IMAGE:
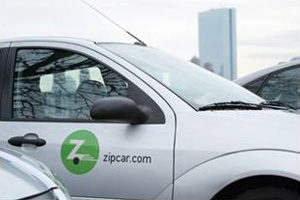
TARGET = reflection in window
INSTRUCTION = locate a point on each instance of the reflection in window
(284, 87)
(61, 84)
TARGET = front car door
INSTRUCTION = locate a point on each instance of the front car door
(48, 92)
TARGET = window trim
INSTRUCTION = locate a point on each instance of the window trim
(265, 77)
(3, 60)
(6, 86)
(158, 116)
(270, 75)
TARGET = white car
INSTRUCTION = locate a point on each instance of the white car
(23, 177)
(125, 121)
(277, 83)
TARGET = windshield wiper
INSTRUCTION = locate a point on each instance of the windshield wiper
(276, 105)
(231, 105)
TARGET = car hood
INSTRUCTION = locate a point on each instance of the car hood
(241, 130)
(22, 176)
(207, 135)
(210, 134)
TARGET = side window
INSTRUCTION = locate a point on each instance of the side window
(283, 86)
(59, 84)
(255, 85)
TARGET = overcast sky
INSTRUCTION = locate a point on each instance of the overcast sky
(268, 31)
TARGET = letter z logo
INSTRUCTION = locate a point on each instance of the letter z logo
(76, 157)
(80, 152)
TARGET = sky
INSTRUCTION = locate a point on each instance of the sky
(268, 31)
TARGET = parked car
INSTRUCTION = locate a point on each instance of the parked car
(277, 83)
(127, 121)
(23, 177)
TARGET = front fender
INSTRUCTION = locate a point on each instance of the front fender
(207, 179)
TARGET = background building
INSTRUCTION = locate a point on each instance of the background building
(217, 42)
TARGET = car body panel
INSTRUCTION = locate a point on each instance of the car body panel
(26, 176)
(24, 181)
(190, 150)
(217, 135)
(155, 140)
(200, 182)
(4, 44)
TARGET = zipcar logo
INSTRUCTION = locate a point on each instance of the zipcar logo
(76, 157)
(80, 152)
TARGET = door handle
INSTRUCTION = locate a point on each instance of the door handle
(18, 141)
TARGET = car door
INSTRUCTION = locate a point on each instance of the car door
(49, 92)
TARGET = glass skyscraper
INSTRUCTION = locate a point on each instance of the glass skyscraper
(217, 41)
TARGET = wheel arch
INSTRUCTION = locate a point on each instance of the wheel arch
(239, 186)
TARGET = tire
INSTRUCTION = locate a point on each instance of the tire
(268, 193)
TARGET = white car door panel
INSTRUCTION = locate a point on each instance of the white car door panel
(98, 159)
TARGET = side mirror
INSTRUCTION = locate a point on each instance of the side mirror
(119, 109)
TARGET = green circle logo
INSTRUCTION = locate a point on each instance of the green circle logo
(80, 152)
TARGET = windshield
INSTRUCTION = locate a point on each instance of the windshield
(195, 85)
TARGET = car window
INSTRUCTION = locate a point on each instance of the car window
(283, 86)
(255, 85)
(53, 83)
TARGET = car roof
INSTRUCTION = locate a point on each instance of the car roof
(46, 38)
(255, 75)
(64, 39)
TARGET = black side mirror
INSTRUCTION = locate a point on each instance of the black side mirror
(119, 109)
